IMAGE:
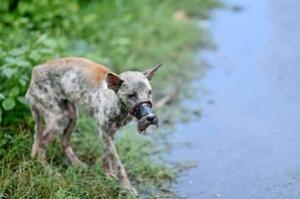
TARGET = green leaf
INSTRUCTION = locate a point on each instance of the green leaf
(10, 60)
(23, 80)
(9, 72)
(23, 63)
(14, 91)
(17, 51)
(0, 115)
(8, 103)
(1, 96)
(35, 55)
(22, 100)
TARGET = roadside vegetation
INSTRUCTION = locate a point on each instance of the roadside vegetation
(124, 35)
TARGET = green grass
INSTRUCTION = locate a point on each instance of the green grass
(21, 177)
(124, 35)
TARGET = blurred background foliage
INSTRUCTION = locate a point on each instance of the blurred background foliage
(123, 35)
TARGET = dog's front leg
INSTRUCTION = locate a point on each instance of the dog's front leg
(112, 164)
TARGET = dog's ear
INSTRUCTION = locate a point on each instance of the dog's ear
(151, 72)
(113, 81)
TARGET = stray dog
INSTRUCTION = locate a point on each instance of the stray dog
(58, 86)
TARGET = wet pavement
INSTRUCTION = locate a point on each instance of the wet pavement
(247, 143)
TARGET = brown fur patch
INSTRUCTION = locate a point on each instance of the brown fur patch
(94, 72)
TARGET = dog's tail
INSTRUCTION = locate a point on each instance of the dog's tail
(38, 130)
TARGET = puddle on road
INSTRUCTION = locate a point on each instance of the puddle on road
(246, 145)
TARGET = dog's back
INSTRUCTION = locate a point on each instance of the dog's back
(66, 78)
(90, 71)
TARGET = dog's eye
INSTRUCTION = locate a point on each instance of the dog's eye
(150, 92)
(132, 95)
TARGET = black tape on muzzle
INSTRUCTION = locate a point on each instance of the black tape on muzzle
(142, 110)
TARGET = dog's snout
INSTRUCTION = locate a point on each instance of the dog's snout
(151, 117)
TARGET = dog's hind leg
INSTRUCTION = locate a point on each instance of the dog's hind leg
(38, 131)
(55, 123)
(49, 134)
(67, 135)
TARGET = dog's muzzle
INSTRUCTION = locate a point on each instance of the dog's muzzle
(145, 115)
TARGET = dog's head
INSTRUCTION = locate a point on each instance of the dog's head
(135, 93)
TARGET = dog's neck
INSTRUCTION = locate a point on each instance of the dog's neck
(106, 106)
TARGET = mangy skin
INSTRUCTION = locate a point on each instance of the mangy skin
(58, 86)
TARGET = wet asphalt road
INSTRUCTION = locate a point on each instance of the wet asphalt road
(247, 144)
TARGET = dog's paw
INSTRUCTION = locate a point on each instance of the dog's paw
(80, 165)
(133, 192)
(111, 175)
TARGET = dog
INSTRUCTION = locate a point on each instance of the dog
(57, 87)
